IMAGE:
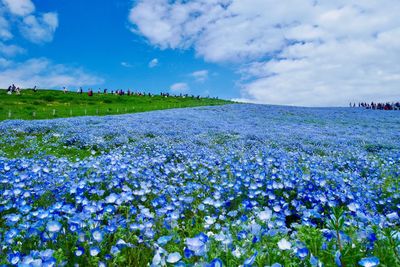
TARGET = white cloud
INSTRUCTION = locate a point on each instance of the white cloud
(200, 75)
(153, 63)
(179, 87)
(296, 52)
(126, 64)
(10, 50)
(5, 33)
(43, 73)
(19, 7)
(41, 28)
(37, 28)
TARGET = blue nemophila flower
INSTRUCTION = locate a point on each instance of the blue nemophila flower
(79, 251)
(29, 261)
(157, 259)
(94, 251)
(369, 262)
(265, 215)
(121, 244)
(51, 262)
(164, 239)
(53, 226)
(14, 258)
(338, 258)
(154, 185)
(13, 218)
(203, 237)
(393, 216)
(97, 235)
(251, 260)
(11, 234)
(46, 254)
(114, 250)
(328, 234)
(302, 253)
(255, 239)
(314, 261)
(188, 253)
(276, 265)
(196, 245)
(174, 257)
(81, 237)
(216, 263)
(242, 234)
(112, 198)
(371, 237)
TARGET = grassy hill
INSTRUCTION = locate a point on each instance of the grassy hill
(48, 104)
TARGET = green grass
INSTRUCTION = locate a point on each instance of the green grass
(49, 104)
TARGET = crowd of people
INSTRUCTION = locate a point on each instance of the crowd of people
(13, 89)
(90, 92)
(128, 92)
(378, 106)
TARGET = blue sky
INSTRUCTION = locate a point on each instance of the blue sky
(95, 36)
(293, 52)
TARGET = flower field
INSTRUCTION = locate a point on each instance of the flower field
(233, 185)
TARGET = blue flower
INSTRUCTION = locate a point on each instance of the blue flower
(338, 259)
(369, 262)
(14, 258)
(314, 261)
(188, 253)
(174, 257)
(251, 260)
(79, 251)
(97, 235)
(50, 262)
(215, 263)
(94, 251)
(164, 239)
(53, 226)
(196, 245)
(114, 250)
(302, 253)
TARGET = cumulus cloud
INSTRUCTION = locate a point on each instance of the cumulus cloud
(20, 7)
(297, 52)
(126, 64)
(44, 73)
(40, 29)
(37, 28)
(10, 50)
(5, 33)
(179, 87)
(153, 63)
(200, 75)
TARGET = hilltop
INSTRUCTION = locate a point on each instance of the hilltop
(48, 104)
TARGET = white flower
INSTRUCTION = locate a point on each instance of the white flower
(284, 244)
(353, 207)
(265, 215)
(174, 257)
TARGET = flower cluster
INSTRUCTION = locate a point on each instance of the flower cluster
(234, 185)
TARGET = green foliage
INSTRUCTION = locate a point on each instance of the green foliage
(35, 145)
(137, 256)
(49, 104)
(45, 200)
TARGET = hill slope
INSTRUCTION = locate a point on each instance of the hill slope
(47, 104)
